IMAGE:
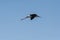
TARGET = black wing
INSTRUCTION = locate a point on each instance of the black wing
(32, 18)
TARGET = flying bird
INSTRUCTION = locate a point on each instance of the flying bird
(31, 16)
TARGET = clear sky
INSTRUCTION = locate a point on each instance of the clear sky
(45, 28)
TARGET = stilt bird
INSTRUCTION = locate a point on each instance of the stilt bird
(31, 16)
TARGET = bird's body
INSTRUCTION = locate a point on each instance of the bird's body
(31, 16)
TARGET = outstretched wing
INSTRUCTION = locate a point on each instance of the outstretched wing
(25, 18)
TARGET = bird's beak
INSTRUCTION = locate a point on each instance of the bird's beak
(38, 16)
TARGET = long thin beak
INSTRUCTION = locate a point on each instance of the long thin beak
(38, 16)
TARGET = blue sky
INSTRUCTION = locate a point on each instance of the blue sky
(45, 28)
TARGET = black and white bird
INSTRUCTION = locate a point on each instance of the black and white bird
(31, 16)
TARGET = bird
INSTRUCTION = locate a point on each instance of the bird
(31, 16)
